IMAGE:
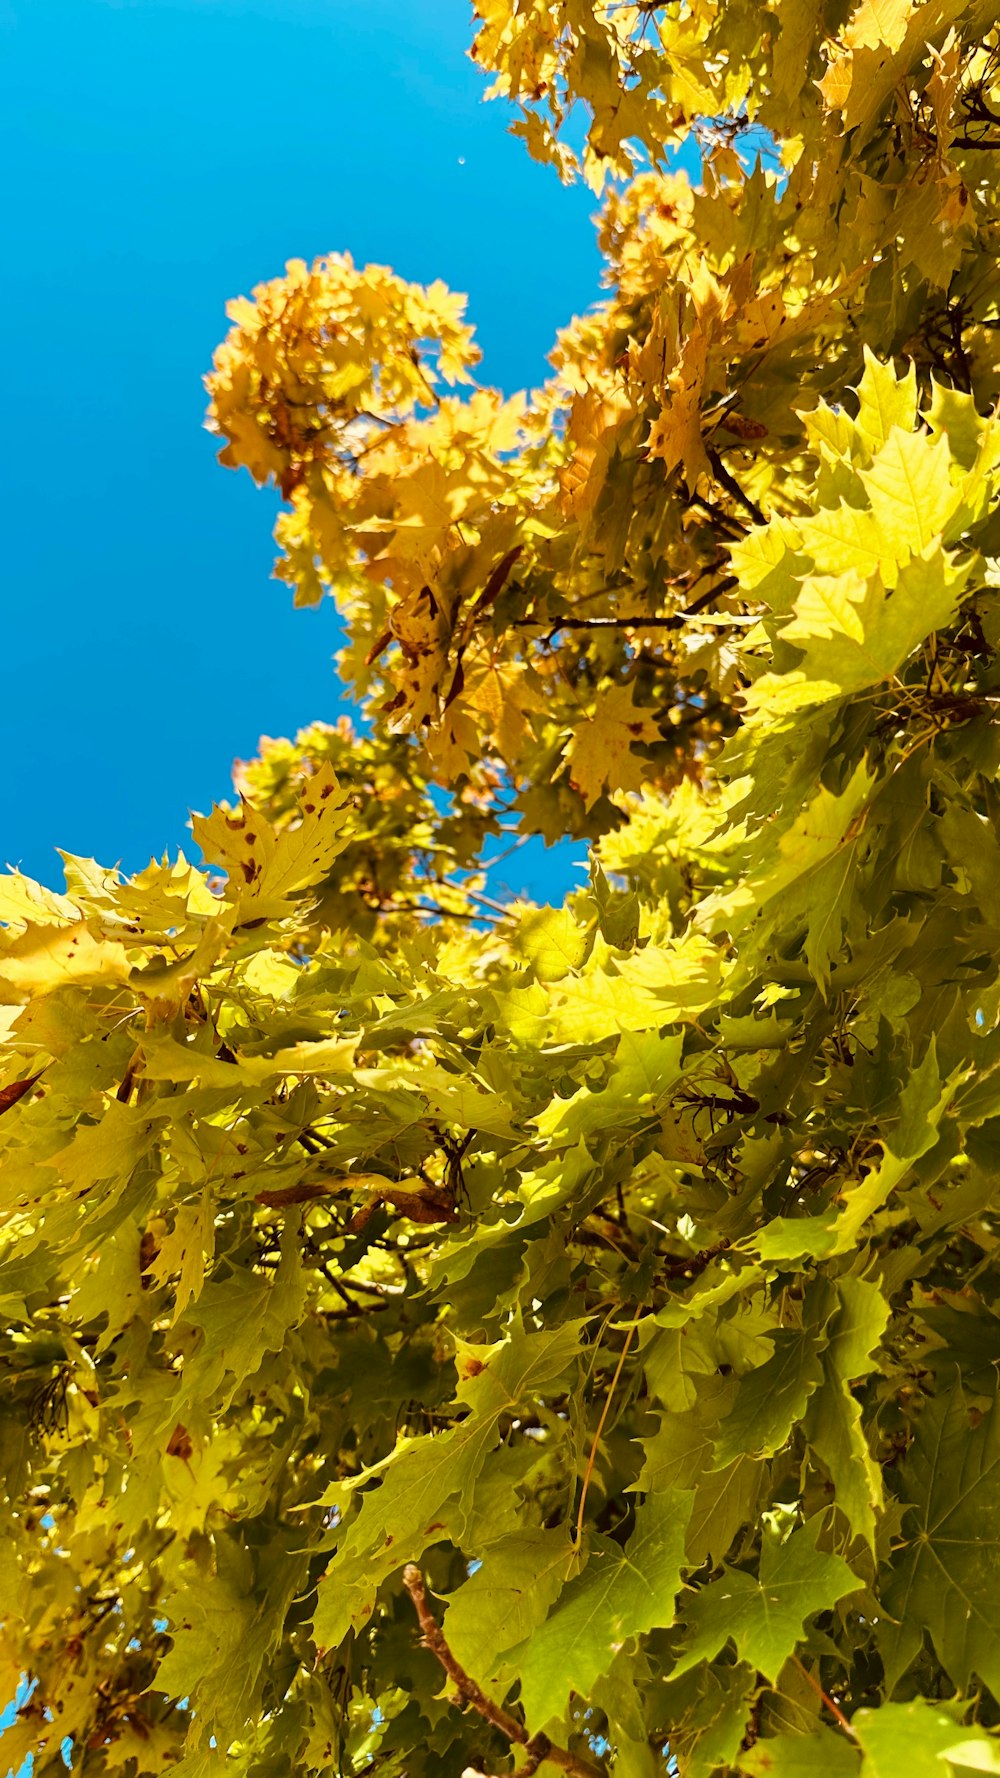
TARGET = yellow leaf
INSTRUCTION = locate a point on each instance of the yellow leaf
(864, 70)
(23, 900)
(942, 88)
(835, 85)
(911, 492)
(828, 606)
(658, 986)
(592, 430)
(551, 940)
(675, 437)
(761, 321)
(44, 958)
(156, 1746)
(843, 537)
(184, 1251)
(878, 24)
(885, 401)
(600, 754)
(105, 1151)
(266, 868)
(166, 1059)
(453, 747)
(331, 1055)
(164, 986)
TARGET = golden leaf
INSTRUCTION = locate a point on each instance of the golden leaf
(601, 755)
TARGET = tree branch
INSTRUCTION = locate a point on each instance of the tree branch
(281, 1196)
(732, 487)
(427, 1206)
(537, 1747)
(636, 621)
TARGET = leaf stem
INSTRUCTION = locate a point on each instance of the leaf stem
(595, 1447)
(834, 1709)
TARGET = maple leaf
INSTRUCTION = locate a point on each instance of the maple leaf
(355, 1212)
(600, 756)
(43, 959)
(266, 869)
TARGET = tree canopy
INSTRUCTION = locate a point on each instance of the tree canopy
(444, 1334)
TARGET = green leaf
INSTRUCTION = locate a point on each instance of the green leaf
(772, 1399)
(834, 1421)
(765, 1617)
(620, 1594)
(506, 1599)
(942, 1576)
(809, 868)
(823, 1754)
(239, 1322)
(426, 1482)
(921, 1740)
(921, 1105)
(226, 1626)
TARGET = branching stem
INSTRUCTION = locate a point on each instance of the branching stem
(537, 1747)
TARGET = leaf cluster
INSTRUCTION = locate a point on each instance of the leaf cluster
(445, 1334)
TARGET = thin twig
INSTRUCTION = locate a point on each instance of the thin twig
(634, 621)
(434, 910)
(537, 1747)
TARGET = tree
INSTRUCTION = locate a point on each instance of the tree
(448, 1335)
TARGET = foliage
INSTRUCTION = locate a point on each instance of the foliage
(586, 1316)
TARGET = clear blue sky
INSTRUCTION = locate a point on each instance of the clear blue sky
(162, 156)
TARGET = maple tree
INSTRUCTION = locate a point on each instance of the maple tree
(444, 1335)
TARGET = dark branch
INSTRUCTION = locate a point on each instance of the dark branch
(732, 487)
(304, 1193)
(635, 621)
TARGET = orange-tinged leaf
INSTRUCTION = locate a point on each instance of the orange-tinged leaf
(675, 437)
(601, 756)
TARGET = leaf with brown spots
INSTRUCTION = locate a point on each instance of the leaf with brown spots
(601, 756)
(45, 958)
(267, 869)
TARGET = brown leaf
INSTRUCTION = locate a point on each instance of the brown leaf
(10, 1095)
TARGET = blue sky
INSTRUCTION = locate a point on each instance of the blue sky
(166, 155)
